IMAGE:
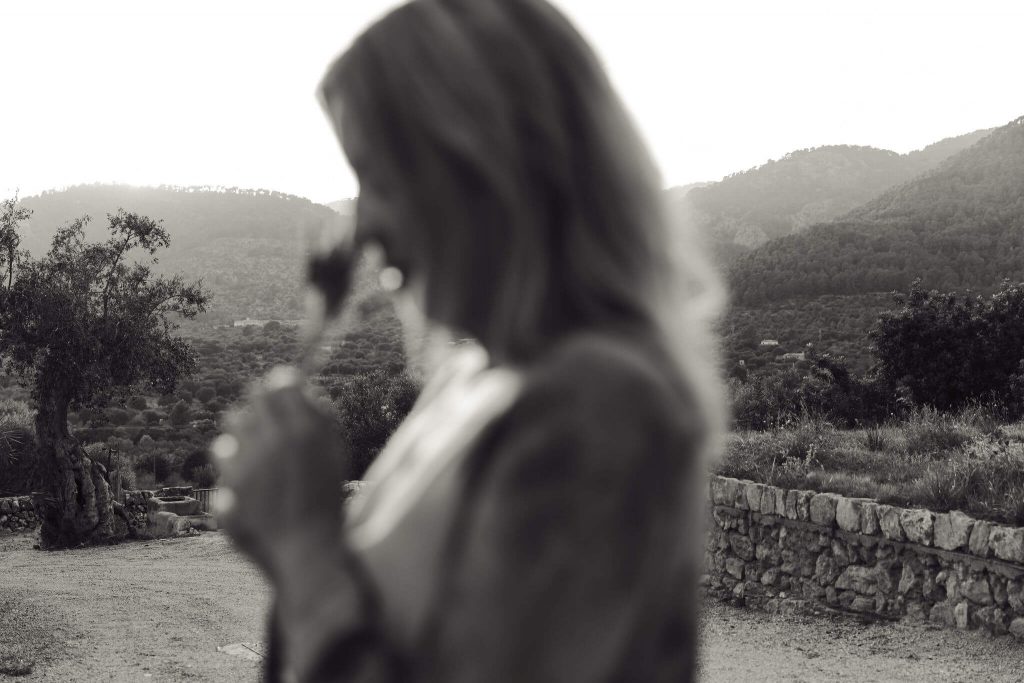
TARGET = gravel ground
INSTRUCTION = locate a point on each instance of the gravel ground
(743, 645)
(158, 610)
(154, 610)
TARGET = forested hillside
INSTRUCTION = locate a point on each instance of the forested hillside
(248, 246)
(806, 187)
(960, 226)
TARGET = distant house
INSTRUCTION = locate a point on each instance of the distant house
(769, 342)
(249, 322)
(794, 356)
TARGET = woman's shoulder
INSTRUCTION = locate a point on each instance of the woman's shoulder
(599, 393)
(599, 368)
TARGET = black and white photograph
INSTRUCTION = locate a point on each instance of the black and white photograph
(512, 341)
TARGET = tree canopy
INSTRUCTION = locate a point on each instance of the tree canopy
(85, 322)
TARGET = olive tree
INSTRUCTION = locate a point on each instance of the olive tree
(82, 324)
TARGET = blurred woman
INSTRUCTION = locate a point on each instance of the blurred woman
(537, 516)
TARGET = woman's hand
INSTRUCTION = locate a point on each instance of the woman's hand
(282, 464)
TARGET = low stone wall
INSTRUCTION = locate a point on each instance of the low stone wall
(769, 547)
(17, 514)
(135, 508)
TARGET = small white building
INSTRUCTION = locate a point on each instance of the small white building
(249, 322)
(765, 342)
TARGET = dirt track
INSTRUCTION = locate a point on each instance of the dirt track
(153, 610)
(158, 610)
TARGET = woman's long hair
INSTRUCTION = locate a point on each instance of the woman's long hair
(534, 208)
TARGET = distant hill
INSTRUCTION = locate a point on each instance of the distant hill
(959, 226)
(346, 207)
(248, 246)
(804, 188)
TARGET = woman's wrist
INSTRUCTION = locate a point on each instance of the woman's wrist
(318, 600)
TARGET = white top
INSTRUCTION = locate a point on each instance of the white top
(398, 523)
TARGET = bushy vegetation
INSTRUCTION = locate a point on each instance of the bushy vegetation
(161, 439)
(822, 389)
(965, 461)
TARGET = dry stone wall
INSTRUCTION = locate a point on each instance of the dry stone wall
(17, 514)
(770, 548)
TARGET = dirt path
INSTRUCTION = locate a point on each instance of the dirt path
(157, 611)
(154, 610)
(742, 645)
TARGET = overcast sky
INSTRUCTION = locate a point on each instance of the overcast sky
(200, 92)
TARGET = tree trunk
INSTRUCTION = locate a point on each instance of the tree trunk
(76, 507)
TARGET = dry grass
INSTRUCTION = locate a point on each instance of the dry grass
(965, 462)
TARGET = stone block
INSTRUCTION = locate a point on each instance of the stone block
(907, 579)
(848, 513)
(978, 543)
(164, 523)
(803, 505)
(754, 492)
(889, 522)
(857, 578)
(740, 501)
(1015, 596)
(734, 567)
(962, 615)
(741, 546)
(999, 595)
(1017, 627)
(204, 521)
(918, 525)
(825, 569)
(952, 530)
(992, 619)
(175, 491)
(791, 504)
(179, 505)
(1007, 543)
(768, 500)
(942, 613)
(723, 490)
(869, 518)
(862, 604)
(770, 577)
(823, 508)
(977, 590)
(780, 500)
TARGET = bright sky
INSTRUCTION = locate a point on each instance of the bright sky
(201, 92)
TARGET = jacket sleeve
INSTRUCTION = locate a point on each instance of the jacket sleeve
(573, 536)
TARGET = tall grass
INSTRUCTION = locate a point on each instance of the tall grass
(967, 461)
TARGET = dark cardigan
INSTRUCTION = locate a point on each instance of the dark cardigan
(575, 552)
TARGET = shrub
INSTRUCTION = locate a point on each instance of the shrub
(146, 463)
(118, 416)
(180, 414)
(875, 440)
(19, 472)
(370, 407)
(204, 477)
(138, 403)
(196, 459)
